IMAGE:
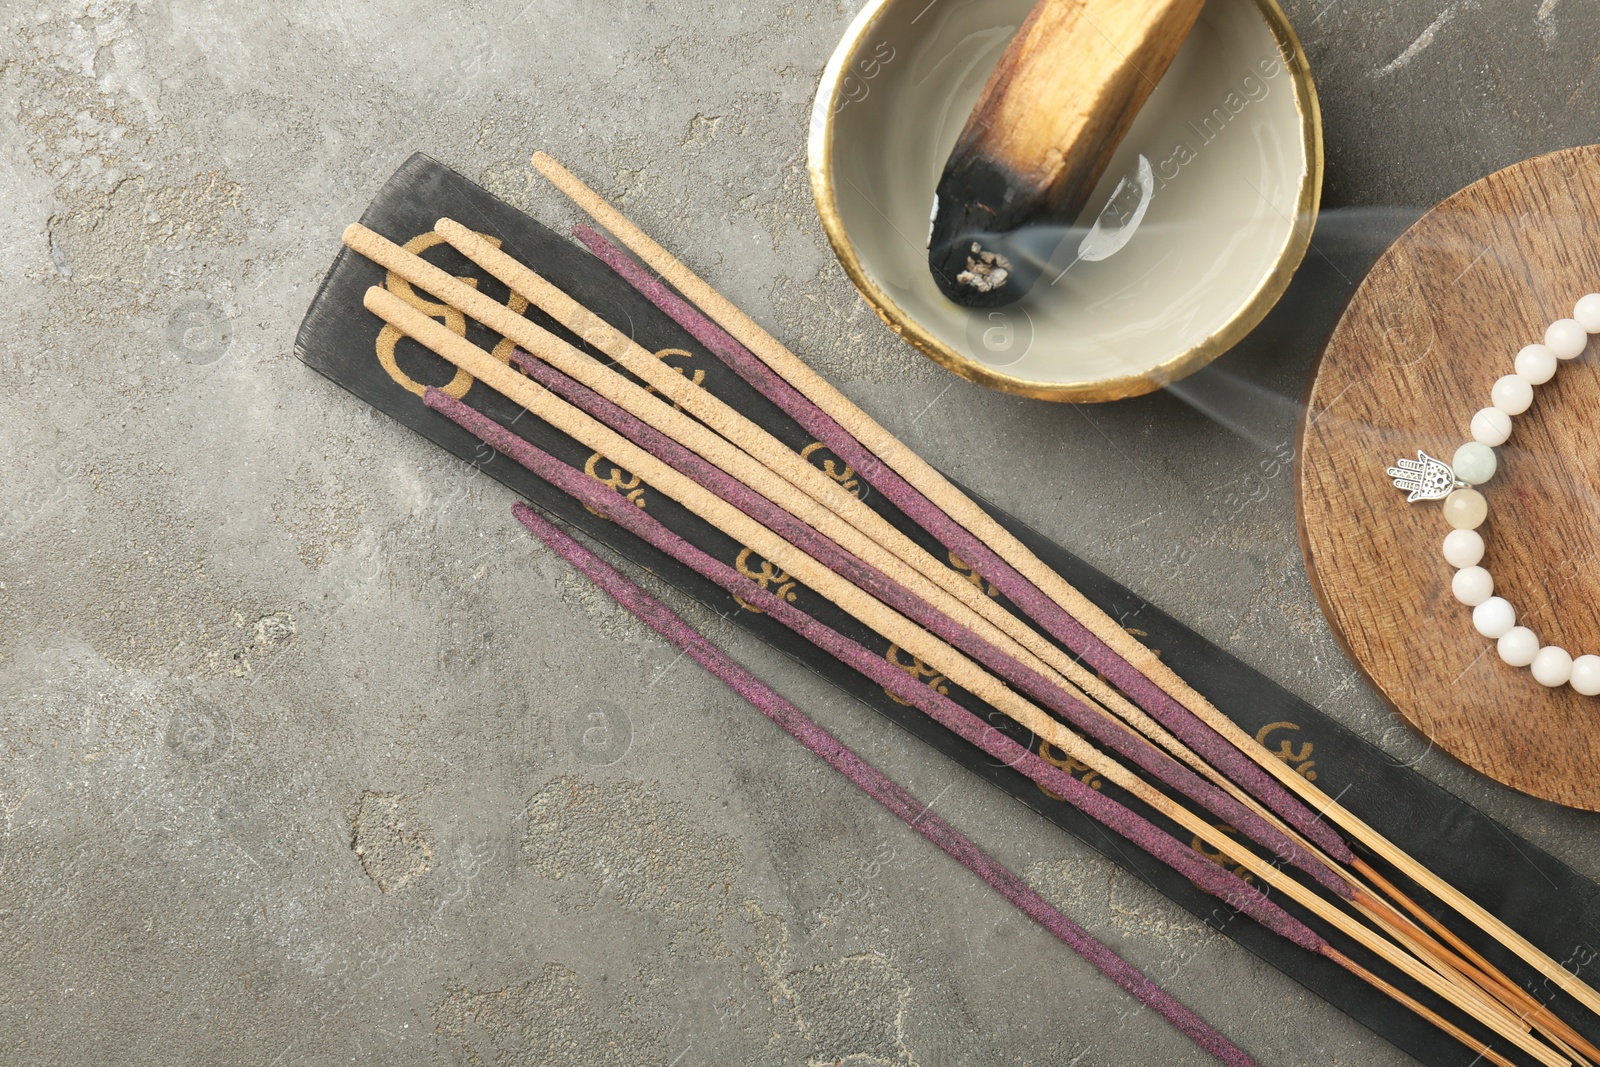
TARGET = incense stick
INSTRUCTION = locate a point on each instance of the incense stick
(606, 501)
(959, 507)
(820, 425)
(881, 788)
(1066, 702)
(408, 266)
(970, 549)
(798, 486)
(896, 628)
(595, 330)
(611, 504)
(1209, 748)
(763, 481)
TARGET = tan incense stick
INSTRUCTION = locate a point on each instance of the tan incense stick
(761, 445)
(1041, 655)
(955, 503)
(953, 594)
(904, 633)
(761, 477)
(592, 329)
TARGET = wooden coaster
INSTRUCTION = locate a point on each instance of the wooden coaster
(1438, 319)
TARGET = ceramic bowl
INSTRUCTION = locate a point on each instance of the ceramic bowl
(1203, 215)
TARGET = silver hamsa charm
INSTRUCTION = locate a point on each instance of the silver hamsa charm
(1425, 478)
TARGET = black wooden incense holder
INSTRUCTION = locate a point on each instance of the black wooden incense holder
(1545, 900)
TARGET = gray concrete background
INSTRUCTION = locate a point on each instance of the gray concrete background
(297, 728)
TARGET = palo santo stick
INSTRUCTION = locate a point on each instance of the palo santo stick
(1051, 115)
(743, 467)
(979, 545)
(896, 628)
(881, 788)
(958, 506)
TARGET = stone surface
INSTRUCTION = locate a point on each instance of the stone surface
(310, 757)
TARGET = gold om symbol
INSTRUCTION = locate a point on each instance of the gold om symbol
(771, 578)
(918, 670)
(698, 377)
(1050, 754)
(1298, 758)
(629, 485)
(1220, 859)
(834, 468)
(455, 321)
(965, 570)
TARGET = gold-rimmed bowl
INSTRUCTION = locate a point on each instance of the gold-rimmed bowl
(1209, 202)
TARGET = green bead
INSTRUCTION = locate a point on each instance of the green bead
(1474, 463)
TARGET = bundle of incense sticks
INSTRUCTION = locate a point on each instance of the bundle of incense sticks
(1093, 692)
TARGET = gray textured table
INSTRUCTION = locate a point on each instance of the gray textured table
(308, 756)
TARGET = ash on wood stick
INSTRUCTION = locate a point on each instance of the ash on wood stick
(1052, 113)
(947, 497)
(883, 789)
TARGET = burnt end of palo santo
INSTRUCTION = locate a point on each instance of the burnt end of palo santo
(1051, 115)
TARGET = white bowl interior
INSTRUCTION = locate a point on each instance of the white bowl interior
(1227, 156)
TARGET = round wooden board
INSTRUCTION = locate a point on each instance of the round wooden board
(1441, 316)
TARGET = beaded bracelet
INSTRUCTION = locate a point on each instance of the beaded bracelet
(1426, 478)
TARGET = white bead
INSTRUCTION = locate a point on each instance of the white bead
(1537, 363)
(1512, 394)
(1518, 646)
(1472, 586)
(1463, 548)
(1552, 666)
(1494, 618)
(1586, 675)
(1588, 314)
(1491, 427)
(1566, 338)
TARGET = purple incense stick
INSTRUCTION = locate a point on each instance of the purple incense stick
(1125, 742)
(881, 788)
(607, 502)
(1205, 741)
(877, 785)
